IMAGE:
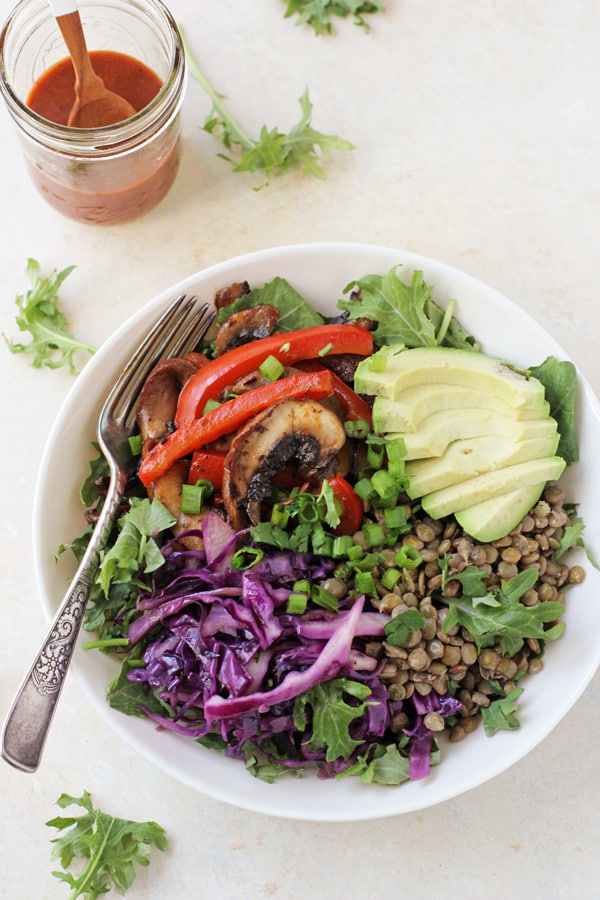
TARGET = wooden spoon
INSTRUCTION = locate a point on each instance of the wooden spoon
(94, 106)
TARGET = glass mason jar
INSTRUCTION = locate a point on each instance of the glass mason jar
(117, 172)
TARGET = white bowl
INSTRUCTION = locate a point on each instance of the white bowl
(320, 272)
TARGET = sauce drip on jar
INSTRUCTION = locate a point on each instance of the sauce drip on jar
(53, 94)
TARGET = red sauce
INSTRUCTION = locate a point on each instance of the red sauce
(53, 94)
(107, 188)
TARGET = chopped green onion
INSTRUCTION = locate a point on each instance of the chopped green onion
(191, 499)
(369, 562)
(408, 557)
(364, 488)
(341, 545)
(390, 578)
(357, 428)
(303, 585)
(193, 496)
(296, 604)
(373, 534)
(384, 483)
(135, 444)
(395, 517)
(271, 368)
(396, 454)
(210, 404)
(246, 558)
(364, 583)
(375, 455)
(323, 598)
(355, 553)
(326, 349)
(280, 514)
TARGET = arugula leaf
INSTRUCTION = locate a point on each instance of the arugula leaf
(39, 313)
(573, 537)
(331, 715)
(295, 311)
(111, 848)
(500, 616)
(500, 714)
(273, 152)
(560, 381)
(136, 547)
(88, 493)
(472, 579)
(317, 13)
(399, 629)
(405, 313)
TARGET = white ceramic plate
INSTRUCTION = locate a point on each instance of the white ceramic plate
(320, 272)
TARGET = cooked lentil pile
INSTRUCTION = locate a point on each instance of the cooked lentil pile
(430, 659)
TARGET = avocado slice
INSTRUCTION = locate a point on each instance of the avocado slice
(441, 429)
(492, 484)
(415, 404)
(494, 518)
(473, 456)
(391, 370)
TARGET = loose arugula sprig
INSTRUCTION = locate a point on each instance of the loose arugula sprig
(51, 343)
(274, 152)
(317, 13)
(111, 848)
(405, 312)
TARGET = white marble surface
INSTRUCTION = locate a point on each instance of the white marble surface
(478, 139)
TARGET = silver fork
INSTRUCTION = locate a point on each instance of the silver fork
(26, 727)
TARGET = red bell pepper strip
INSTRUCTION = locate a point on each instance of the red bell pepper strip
(288, 348)
(355, 407)
(228, 417)
(352, 509)
(208, 464)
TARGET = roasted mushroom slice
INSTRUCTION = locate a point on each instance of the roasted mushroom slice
(246, 325)
(301, 432)
(168, 489)
(157, 402)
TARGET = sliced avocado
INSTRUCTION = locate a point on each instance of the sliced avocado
(390, 371)
(474, 456)
(415, 404)
(441, 429)
(493, 519)
(491, 484)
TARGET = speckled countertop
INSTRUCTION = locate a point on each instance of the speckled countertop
(477, 143)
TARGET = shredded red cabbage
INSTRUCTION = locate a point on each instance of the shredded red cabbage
(223, 655)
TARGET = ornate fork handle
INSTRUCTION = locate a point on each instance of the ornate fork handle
(28, 721)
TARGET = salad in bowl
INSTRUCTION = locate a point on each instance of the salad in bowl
(352, 540)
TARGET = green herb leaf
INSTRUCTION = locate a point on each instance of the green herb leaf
(560, 381)
(294, 311)
(400, 627)
(500, 616)
(132, 697)
(110, 847)
(89, 493)
(51, 343)
(405, 313)
(500, 714)
(273, 153)
(332, 715)
(135, 548)
(318, 13)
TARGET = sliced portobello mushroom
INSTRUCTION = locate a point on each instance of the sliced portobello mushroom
(303, 433)
(246, 325)
(157, 403)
